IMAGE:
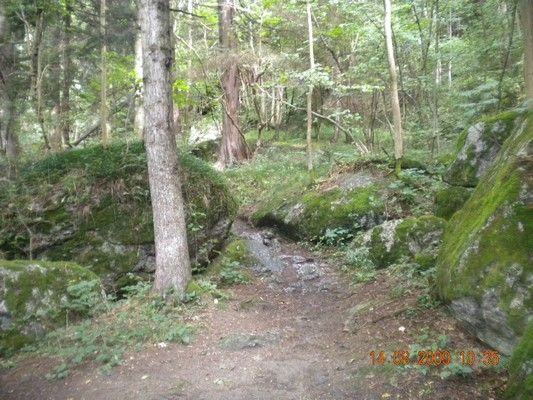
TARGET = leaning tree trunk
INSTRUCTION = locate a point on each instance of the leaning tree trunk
(233, 147)
(526, 21)
(173, 270)
(396, 113)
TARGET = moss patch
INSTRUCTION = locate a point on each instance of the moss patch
(413, 239)
(450, 200)
(486, 244)
(93, 206)
(36, 296)
(520, 386)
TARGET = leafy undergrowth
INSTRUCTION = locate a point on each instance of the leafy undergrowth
(132, 323)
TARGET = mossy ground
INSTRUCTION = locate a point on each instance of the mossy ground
(449, 200)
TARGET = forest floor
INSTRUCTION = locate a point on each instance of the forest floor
(298, 330)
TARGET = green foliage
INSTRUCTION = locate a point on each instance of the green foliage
(455, 369)
(359, 265)
(137, 320)
(231, 274)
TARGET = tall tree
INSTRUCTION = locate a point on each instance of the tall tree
(9, 143)
(233, 147)
(173, 270)
(138, 124)
(104, 112)
(310, 89)
(66, 78)
(526, 20)
(396, 113)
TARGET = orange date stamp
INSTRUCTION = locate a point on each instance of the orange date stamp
(486, 358)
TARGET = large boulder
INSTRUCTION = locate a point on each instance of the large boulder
(479, 145)
(411, 239)
(353, 203)
(92, 206)
(520, 385)
(35, 296)
(485, 268)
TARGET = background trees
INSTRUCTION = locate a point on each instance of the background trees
(455, 60)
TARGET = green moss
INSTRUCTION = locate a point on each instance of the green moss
(93, 206)
(496, 129)
(492, 232)
(520, 386)
(412, 239)
(238, 251)
(36, 292)
(449, 200)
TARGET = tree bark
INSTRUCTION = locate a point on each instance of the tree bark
(36, 74)
(526, 21)
(308, 136)
(173, 271)
(104, 117)
(233, 147)
(396, 113)
(66, 78)
(138, 121)
(8, 113)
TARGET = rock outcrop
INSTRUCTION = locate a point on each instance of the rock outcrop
(412, 239)
(92, 207)
(485, 268)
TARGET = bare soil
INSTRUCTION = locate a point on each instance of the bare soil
(299, 330)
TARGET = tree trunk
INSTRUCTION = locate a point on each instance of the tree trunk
(526, 21)
(66, 81)
(233, 147)
(138, 121)
(396, 113)
(173, 271)
(104, 117)
(36, 74)
(310, 91)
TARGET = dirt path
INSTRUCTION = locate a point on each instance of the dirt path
(298, 331)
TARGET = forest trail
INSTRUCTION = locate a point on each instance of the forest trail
(297, 331)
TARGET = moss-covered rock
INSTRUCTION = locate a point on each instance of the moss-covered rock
(412, 239)
(36, 296)
(352, 205)
(92, 206)
(520, 386)
(478, 146)
(450, 199)
(485, 268)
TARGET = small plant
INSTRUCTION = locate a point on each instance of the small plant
(59, 372)
(359, 265)
(335, 237)
(231, 274)
(455, 370)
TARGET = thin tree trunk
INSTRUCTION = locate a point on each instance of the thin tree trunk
(435, 146)
(138, 121)
(66, 67)
(526, 21)
(233, 147)
(310, 91)
(173, 271)
(36, 74)
(104, 117)
(396, 113)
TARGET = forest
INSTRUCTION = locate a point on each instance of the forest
(266, 199)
